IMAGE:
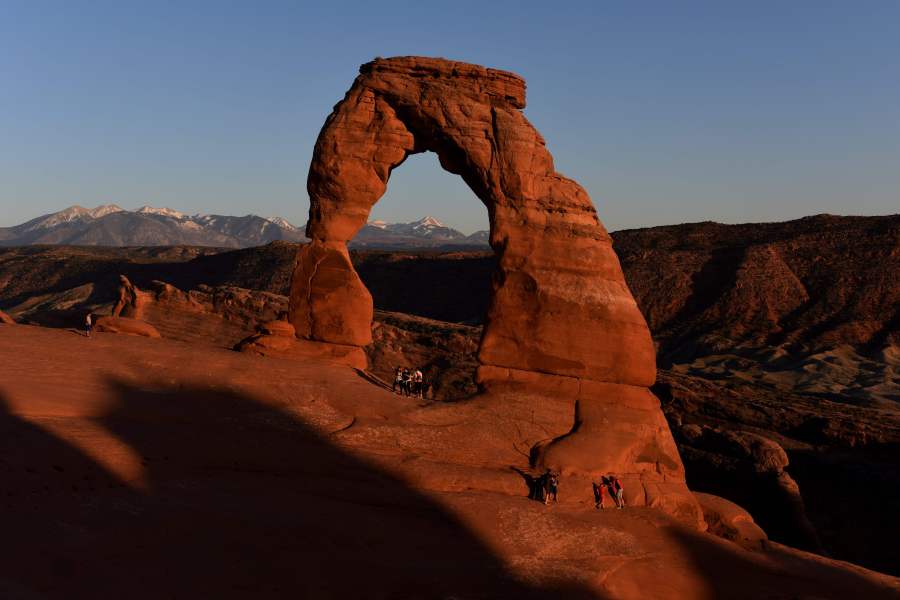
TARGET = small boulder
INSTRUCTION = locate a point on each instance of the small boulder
(278, 329)
(291, 348)
(728, 520)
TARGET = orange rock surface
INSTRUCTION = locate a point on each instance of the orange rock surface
(157, 468)
(5, 319)
(126, 325)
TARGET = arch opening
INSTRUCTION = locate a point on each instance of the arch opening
(431, 293)
(420, 187)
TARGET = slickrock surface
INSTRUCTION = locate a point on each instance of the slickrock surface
(156, 468)
(127, 326)
(561, 321)
(730, 521)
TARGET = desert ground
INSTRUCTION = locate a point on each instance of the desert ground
(155, 468)
(788, 411)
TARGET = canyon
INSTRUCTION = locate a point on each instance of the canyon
(222, 389)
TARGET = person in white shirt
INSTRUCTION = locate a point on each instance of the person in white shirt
(417, 383)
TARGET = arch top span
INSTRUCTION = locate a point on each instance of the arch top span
(559, 303)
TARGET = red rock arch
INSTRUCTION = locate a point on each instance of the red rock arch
(559, 305)
(561, 320)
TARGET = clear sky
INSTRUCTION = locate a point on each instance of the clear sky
(666, 112)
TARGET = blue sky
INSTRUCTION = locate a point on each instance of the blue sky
(666, 112)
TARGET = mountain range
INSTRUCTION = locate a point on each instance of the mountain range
(111, 225)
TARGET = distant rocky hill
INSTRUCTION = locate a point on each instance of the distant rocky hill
(111, 225)
(812, 283)
(807, 285)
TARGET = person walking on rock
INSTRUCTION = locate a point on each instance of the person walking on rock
(398, 380)
(417, 383)
(607, 483)
(88, 325)
(618, 491)
(406, 382)
(540, 486)
(552, 487)
(598, 493)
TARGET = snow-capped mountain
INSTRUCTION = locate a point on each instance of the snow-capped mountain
(165, 212)
(427, 227)
(283, 223)
(479, 238)
(72, 214)
(111, 225)
(424, 233)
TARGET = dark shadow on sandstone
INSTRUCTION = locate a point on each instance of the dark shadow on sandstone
(730, 573)
(242, 501)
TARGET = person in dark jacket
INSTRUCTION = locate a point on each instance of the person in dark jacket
(552, 486)
(598, 493)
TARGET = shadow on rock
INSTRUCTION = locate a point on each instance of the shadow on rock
(726, 572)
(240, 500)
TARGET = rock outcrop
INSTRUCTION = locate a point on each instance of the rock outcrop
(752, 466)
(728, 520)
(131, 301)
(561, 319)
(278, 339)
(128, 312)
(127, 326)
(5, 319)
(558, 287)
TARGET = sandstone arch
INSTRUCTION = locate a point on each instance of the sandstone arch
(561, 318)
(559, 289)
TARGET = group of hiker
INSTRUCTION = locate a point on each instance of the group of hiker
(613, 487)
(545, 488)
(409, 382)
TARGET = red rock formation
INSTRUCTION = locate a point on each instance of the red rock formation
(559, 286)
(131, 300)
(561, 318)
(5, 319)
(278, 339)
(730, 521)
(126, 326)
